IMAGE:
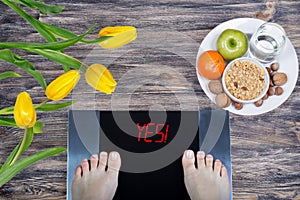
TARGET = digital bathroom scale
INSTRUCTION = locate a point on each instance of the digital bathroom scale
(151, 145)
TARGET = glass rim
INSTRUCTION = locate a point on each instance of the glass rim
(274, 25)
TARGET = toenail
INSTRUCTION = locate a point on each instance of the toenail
(189, 154)
(201, 154)
(103, 154)
(209, 156)
(114, 156)
(95, 156)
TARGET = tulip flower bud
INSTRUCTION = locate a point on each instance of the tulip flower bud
(121, 35)
(24, 112)
(62, 85)
(100, 78)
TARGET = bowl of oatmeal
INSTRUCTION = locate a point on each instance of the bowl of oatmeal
(245, 80)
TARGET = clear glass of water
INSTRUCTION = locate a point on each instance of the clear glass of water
(267, 42)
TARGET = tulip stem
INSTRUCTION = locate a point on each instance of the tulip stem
(19, 152)
(39, 105)
(84, 67)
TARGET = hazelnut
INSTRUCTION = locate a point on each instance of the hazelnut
(265, 97)
(215, 86)
(271, 91)
(259, 103)
(237, 105)
(228, 102)
(274, 66)
(222, 100)
(279, 79)
(269, 70)
(271, 83)
(278, 91)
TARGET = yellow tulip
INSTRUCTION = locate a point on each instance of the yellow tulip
(62, 85)
(100, 78)
(121, 35)
(24, 112)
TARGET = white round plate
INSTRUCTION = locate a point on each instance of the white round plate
(288, 63)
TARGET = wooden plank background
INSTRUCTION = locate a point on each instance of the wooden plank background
(265, 148)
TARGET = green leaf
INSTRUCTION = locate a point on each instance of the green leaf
(9, 74)
(7, 111)
(34, 22)
(44, 107)
(28, 140)
(24, 64)
(7, 122)
(51, 45)
(9, 173)
(51, 107)
(58, 57)
(41, 6)
(66, 68)
(4, 121)
(100, 39)
(38, 127)
(11, 157)
(59, 32)
(65, 34)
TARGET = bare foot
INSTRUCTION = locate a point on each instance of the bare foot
(207, 182)
(94, 182)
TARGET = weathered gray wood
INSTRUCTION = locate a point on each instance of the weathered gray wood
(265, 148)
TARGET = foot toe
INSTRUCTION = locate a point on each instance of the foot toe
(188, 162)
(209, 161)
(102, 160)
(78, 172)
(217, 167)
(224, 172)
(200, 159)
(85, 167)
(114, 162)
(94, 162)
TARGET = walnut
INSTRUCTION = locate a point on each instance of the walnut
(279, 79)
(215, 86)
(222, 100)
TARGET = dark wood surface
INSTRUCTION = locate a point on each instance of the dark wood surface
(265, 148)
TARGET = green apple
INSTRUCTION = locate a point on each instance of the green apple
(232, 44)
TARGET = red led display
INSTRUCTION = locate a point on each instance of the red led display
(145, 133)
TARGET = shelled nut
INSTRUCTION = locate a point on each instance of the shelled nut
(265, 97)
(259, 103)
(271, 83)
(269, 70)
(271, 91)
(237, 105)
(274, 66)
(278, 91)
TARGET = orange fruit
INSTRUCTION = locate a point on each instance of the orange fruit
(211, 65)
